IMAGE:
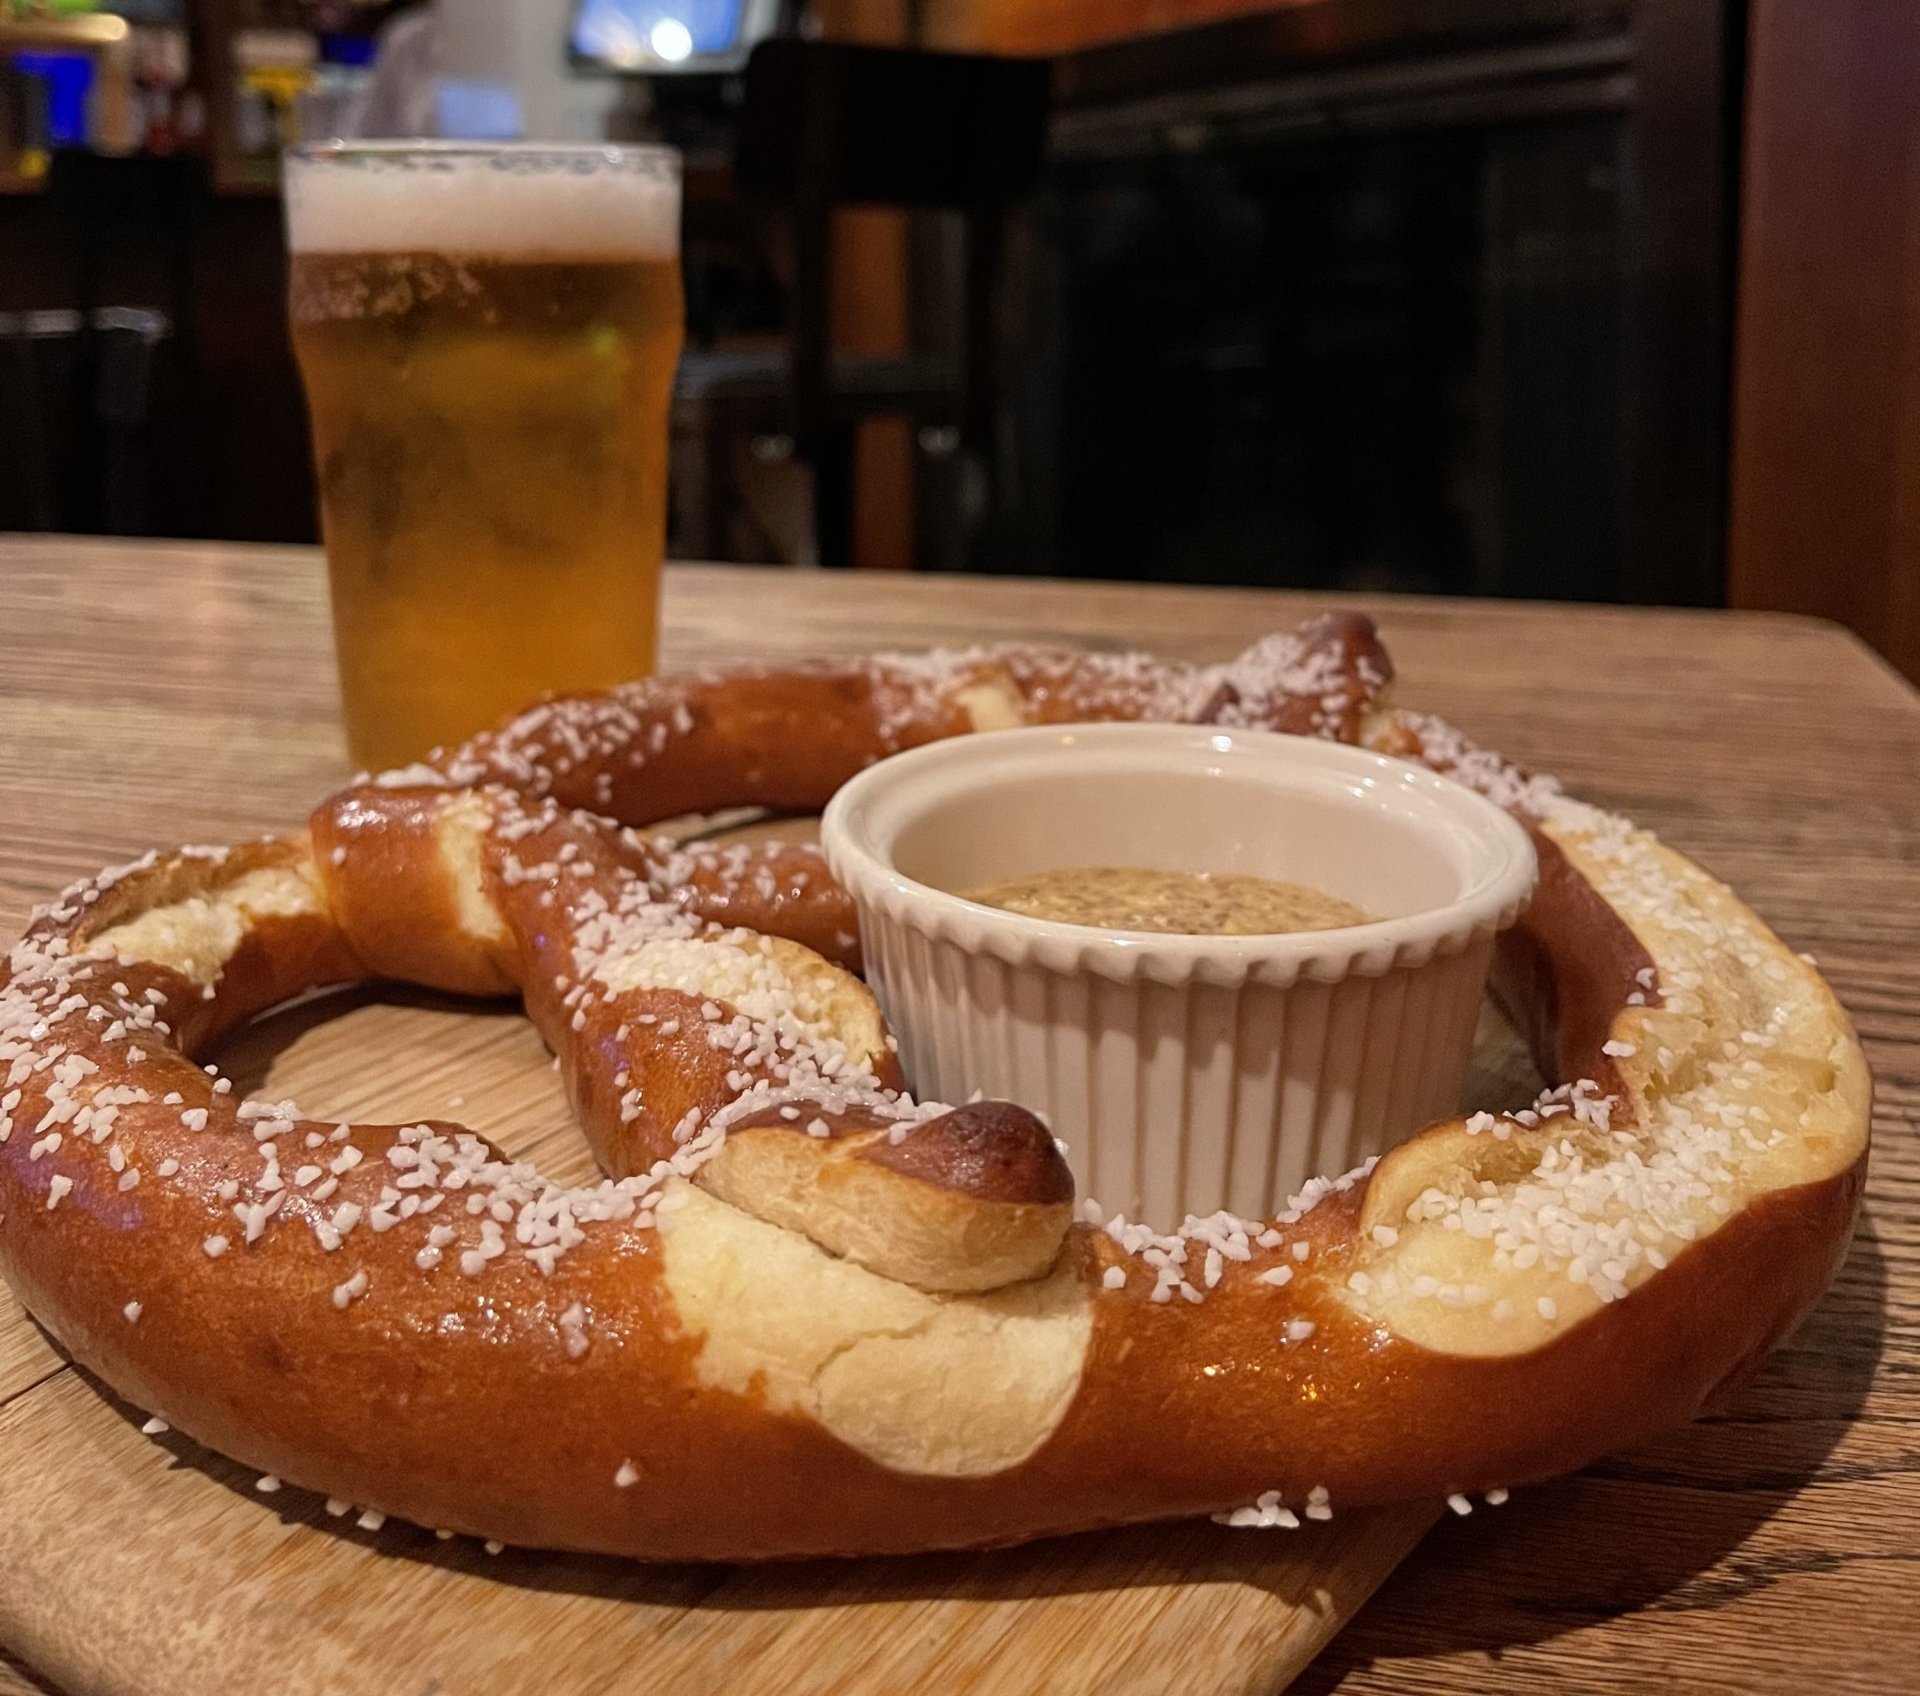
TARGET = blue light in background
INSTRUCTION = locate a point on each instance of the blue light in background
(641, 32)
(69, 80)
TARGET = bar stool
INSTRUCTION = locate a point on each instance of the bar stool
(827, 125)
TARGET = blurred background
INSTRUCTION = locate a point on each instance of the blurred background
(1611, 300)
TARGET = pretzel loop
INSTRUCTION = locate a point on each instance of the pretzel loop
(804, 1313)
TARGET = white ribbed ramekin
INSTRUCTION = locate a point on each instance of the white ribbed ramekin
(1184, 1073)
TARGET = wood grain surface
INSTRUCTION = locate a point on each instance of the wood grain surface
(153, 693)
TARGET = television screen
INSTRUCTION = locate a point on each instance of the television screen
(660, 35)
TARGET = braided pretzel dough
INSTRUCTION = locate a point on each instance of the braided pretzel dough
(802, 1313)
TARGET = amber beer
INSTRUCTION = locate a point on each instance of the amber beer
(487, 339)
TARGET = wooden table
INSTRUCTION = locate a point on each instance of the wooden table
(153, 693)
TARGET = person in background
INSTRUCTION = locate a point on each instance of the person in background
(404, 98)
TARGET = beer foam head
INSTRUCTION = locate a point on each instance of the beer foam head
(531, 202)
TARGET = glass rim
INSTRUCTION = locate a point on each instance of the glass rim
(429, 147)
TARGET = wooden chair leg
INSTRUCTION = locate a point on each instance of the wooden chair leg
(986, 252)
(691, 486)
(832, 459)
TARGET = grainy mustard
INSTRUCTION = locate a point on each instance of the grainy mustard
(1178, 903)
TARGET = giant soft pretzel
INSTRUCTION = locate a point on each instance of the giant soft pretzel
(803, 1314)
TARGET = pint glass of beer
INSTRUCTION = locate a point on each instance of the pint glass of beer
(487, 337)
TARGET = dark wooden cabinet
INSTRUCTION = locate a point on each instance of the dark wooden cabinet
(1826, 462)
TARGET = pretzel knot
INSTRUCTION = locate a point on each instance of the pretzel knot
(803, 1312)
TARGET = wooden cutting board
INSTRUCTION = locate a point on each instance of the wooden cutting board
(137, 1566)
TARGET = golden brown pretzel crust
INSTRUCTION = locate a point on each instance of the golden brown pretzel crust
(788, 737)
(804, 1314)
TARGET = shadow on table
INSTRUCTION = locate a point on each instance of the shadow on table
(247, 1055)
(1650, 1529)
(22, 1675)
